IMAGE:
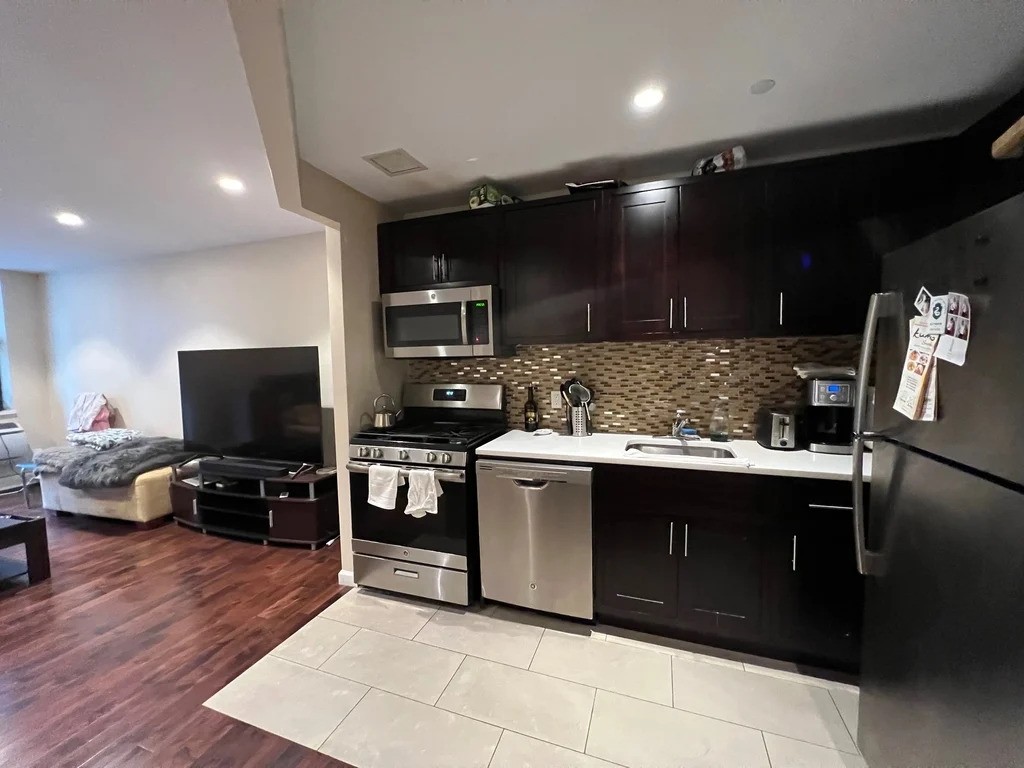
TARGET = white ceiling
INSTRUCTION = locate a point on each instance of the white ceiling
(538, 90)
(126, 112)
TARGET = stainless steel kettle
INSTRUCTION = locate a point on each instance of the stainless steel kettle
(385, 417)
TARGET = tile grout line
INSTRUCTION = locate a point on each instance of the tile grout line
(496, 745)
(335, 729)
(543, 631)
(590, 721)
(766, 752)
(454, 675)
(853, 736)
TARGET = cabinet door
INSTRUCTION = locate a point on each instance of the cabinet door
(720, 587)
(824, 266)
(817, 593)
(409, 254)
(469, 248)
(636, 565)
(549, 273)
(723, 232)
(644, 256)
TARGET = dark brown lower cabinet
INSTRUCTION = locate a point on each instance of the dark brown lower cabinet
(758, 564)
(720, 582)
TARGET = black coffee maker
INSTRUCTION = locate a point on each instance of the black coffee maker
(828, 415)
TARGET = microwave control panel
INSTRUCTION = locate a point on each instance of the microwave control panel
(479, 322)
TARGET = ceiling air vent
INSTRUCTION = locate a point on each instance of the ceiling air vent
(395, 162)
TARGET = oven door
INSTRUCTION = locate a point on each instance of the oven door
(447, 322)
(440, 540)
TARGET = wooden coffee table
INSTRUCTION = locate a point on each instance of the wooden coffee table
(30, 531)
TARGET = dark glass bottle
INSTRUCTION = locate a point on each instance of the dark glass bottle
(530, 412)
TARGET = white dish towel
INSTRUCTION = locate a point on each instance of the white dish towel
(384, 482)
(424, 490)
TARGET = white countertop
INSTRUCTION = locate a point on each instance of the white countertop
(751, 458)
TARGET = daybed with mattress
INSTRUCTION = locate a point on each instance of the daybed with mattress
(128, 481)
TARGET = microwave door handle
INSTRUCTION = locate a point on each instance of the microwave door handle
(465, 322)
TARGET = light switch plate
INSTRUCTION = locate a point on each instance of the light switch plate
(556, 399)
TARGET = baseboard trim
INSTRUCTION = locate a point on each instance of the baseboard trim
(346, 578)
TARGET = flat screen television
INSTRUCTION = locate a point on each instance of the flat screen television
(253, 403)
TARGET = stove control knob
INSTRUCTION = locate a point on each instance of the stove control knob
(364, 452)
(378, 453)
(431, 456)
(403, 455)
(446, 458)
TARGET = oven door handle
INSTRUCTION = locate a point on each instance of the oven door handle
(444, 476)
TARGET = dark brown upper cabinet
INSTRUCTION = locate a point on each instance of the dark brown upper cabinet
(550, 272)
(723, 231)
(458, 249)
(644, 260)
(822, 266)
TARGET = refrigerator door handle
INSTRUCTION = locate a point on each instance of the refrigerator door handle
(881, 305)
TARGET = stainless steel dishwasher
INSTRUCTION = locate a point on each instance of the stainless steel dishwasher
(536, 541)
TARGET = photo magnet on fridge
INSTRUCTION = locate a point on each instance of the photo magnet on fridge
(923, 301)
(937, 315)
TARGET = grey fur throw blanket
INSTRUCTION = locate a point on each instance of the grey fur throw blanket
(119, 466)
(56, 458)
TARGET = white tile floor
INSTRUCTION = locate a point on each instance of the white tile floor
(381, 681)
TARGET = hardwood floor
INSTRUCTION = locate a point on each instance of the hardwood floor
(108, 663)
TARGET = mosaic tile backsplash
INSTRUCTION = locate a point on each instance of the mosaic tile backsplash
(639, 385)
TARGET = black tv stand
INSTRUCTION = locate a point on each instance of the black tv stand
(255, 469)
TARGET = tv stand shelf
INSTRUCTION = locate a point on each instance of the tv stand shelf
(301, 509)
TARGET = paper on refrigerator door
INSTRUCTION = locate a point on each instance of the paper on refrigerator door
(917, 395)
(956, 329)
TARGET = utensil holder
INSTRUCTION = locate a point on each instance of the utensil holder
(580, 422)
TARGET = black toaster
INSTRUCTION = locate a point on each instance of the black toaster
(777, 427)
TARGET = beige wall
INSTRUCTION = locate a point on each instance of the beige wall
(28, 351)
(361, 371)
(117, 329)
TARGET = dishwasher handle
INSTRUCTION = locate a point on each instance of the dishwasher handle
(531, 475)
(530, 485)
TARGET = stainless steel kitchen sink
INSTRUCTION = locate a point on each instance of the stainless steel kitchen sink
(697, 451)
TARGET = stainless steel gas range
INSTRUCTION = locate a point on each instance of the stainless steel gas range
(434, 556)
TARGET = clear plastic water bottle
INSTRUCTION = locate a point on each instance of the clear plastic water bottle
(719, 428)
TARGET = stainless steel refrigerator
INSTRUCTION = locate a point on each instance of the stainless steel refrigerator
(941, 542)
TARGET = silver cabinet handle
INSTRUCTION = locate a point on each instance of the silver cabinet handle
(271, 518)
(671, 313)
(830, 506)
(794, 553)
(686, 540)
(671, 534)
(588, 317)
(435, 268)
(780, 307)
(406, 574)
(641, 599)
(685, 318)
(881, 305)
(444, 268)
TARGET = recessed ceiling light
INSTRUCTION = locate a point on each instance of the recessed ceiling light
(762, 86)
(69, 219)
(231, 185)
(648, 98)
(472, 159)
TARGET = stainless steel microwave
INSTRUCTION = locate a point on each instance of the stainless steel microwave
(442, 322)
